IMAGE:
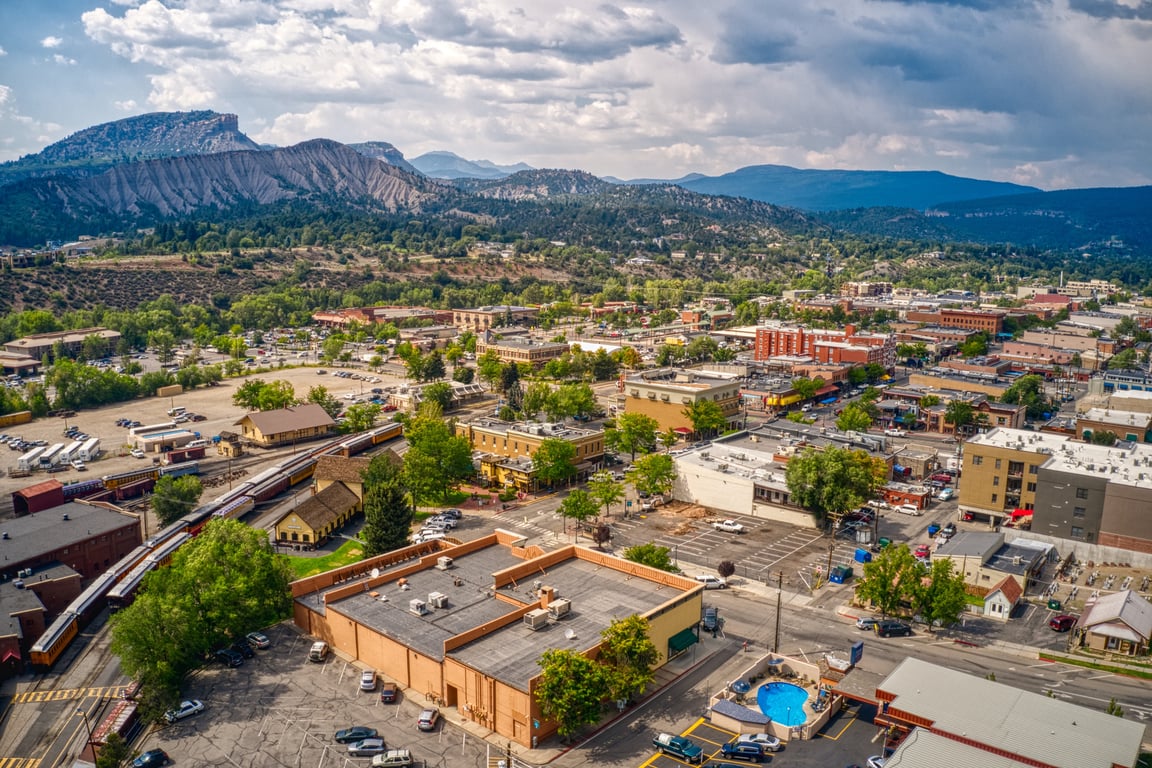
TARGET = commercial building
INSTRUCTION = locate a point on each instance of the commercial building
(38, 345)
(983, 321)
(518, 350)
(483, 318)
(1125, 425)
(985, 560)
(28, 604)
(399, 316)
(503, 450)
(665, 394)
(952, 718)
(283, 426)
(826, 346)
(86, 537)
(465, 625)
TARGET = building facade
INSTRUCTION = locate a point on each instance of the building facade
(534, 353)
(483, 318)
(503, 450)
(827, 346)
(665, 393)
(285, 426)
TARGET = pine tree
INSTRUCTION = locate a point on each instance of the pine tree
(388, 511)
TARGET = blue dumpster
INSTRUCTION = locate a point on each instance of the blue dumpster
(863, 556)
(840, 574)
(933, 530)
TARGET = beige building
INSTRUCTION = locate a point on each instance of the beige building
(38, 345)
(503, 449)
(1119, 623)
(1001, 469)
(1126, 425)
(482, 318)
(664, 394)
(463, 626)
(522, 350)
(286, 425)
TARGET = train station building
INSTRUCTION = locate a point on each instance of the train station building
(464, 624)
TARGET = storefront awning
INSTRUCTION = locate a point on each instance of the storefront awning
(682, 430)
(1022, 513)
(682, 640)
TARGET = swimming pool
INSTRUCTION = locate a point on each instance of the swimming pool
(783, 702)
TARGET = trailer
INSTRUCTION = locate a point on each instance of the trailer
(69, 453)
(30, 460)
(51, 457)
(90, 450)
(150, 428)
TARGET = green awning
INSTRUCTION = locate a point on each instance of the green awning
(682, 640)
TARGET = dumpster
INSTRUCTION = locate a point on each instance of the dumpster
(840, 574)
(933, 530)
(884, 542)
(1054, 605)
(863, 556)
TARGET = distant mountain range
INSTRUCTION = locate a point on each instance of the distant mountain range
(142, 170)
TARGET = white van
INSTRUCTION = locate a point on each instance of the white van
(198, 444)
(909, 509)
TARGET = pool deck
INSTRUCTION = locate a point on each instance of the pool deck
(739, 712)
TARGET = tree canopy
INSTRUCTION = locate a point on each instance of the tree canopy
(569, 690)
(634, 433)
(652, 555)
(654, 473)
(553, 461)
(388, 511)
(174, 497)
(436, 460)
(832, 481)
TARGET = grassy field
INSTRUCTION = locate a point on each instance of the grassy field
(349, 552)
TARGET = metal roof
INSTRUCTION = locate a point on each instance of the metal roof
(31, 536)
(999, 717)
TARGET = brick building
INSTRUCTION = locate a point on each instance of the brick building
(86, 537)
(483, 318)
(835, 346)
(986, 321)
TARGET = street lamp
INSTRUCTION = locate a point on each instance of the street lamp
(87, 725)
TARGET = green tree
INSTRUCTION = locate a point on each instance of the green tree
(114, 753)
(961, 415)
(164, 343)
(574, 399)
(332, 347)
(569, 690)
(436, 460)
(1101, 437)
(832, 481)
(318, 395)
(652, 555)
(174, 497)
(628, 656)
(439, 392)
(277, 394)
(886, 580)
(807, 388)
(975, 346)
(707, 417)
(360, 417)
(578, 506)
(634, 432)
(853, 419)
(654, 473)
(668, 438)
(463, 374)
(247, 395)
(940, 597)
(536, 398)
(388, 511)
(553, 461)
(490, 368)
(1029, 392)
(605, 490)
(219, 586)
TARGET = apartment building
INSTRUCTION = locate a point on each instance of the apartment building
(834, 346)
(503, 449)
(522, 350)
(664, 394)
(483, 318)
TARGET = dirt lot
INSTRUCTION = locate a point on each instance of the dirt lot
(213, 402)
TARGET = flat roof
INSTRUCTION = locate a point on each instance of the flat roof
(31, 536)
(1021, 440)
(1017, 722)
(598, 596)
(470, 604)
(924, 749)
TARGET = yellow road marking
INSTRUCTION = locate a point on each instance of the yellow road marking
(67, 694)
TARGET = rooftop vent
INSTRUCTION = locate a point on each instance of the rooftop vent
(560, 607)
(536, 619)
(443, 563)
(438, 599)
(418, 607)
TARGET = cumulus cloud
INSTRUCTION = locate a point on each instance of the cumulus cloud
(52, 42)
(1052, 91)
(63, 60)
(2, 51)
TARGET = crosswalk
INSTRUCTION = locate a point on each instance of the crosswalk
(67, 694)
(19, 762)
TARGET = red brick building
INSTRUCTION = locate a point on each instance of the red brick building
(86, 537)
(827, 347)
(987, 321)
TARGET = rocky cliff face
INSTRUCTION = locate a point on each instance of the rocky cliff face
(382, 150)
(318, 171)
(159, 134)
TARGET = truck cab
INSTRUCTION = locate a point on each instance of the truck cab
(678, 746)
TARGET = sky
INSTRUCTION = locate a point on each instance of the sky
(1051, 93)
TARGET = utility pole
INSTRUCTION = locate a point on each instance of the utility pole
(779, 594)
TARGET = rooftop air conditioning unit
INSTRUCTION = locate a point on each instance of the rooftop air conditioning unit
(559, 608)
(418, 607)
(438, 599)
(18, 583)
(536, 619)
(443, 563)
(536, 585)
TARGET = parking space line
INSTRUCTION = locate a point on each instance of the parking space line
(851, 719)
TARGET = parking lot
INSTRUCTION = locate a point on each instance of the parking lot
(850, 737)
(280, 709)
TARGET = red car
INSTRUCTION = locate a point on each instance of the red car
(923, 551)
(942, 477)
(1062, 623)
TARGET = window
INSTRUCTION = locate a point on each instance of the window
(1077, 532)
(997, 463)
(995, 497)
(995, 481)
(977, 460)
(1079, 512)
(1032, 469)
(1081, 493)
(1031, 487)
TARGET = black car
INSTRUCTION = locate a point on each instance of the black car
(151, 759)
(229, 657)
(243, 648)
(356, 733)
(889, 628)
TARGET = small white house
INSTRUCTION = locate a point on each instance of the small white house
(1002, 599)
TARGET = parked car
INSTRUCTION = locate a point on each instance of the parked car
(389, 692)
(728, 526)
(922, 551)
(187, 708)
(451, 512)
(368, 680)
(428, 719)
(742, 750)
(393, 758)
(367, 748)
(355, 733)
(711, 619)
(766, 740)
(259, 640)
(151, 759)
(242, 647)
(137, 453)
(946, 494)
(712, 582)
(318, 652)
(867, 622)
(229, 657)
(891, 628)
(876, 761)
(1062, 623)
(895, 432)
